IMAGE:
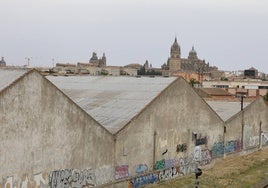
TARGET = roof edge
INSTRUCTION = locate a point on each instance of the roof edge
(17, 80)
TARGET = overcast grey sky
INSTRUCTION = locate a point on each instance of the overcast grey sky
(230, 34)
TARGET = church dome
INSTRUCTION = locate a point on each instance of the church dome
(192, 54)
(2, 62)
(192, 51)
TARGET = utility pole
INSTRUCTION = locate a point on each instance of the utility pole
(198, 172)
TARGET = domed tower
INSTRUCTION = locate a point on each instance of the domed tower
(174, 61)
(103, 60)
(2, 62)
(192, 54)
(94, 59)
(175, 50)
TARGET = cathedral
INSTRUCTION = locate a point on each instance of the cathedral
(98, 62)
(191, 64)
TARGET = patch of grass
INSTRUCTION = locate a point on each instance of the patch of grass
(241, 172)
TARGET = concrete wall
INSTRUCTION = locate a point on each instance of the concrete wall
(243, 129)
(161, 136)
(45, 137)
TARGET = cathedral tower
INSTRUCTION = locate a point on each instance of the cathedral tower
(174, 61)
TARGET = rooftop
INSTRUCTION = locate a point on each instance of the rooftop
(7, 77)
(226, 109)
(112, 101)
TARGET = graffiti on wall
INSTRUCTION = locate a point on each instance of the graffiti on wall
(151, 178)
(71, 177)
(217, 149)
(181, 148)
(143, 180)
(265, 139)
(160, 164)
(171, 163)
(121, 172)
(201, 141)
(187, 165)
(38, 180)
(59, 178)
(202, 157)
(141, 168)
(168, 174)
(233, 146)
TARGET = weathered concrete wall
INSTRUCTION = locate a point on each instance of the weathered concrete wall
(243, 130)
(255, 118)
(43, 133)
(161, 136)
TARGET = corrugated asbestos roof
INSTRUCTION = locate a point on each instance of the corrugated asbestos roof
(226, 109)
(112, 101)
(7, 76)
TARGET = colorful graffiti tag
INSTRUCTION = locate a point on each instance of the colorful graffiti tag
(233, 146)
(143, 180)
(141, 168)
(217, 149)
(159, 164)
(121, 172)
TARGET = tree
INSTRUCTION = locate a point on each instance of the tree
(193, 81)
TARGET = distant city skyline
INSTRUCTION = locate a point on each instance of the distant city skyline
(231, 35)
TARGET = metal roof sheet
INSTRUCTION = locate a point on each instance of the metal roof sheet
(112, 101)
(8, 76)
(226, 109)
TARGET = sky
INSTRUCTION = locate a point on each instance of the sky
(229, 34)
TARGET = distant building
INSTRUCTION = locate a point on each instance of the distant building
(2, 62)
(99, 62)
(251, 73)
(177, 64)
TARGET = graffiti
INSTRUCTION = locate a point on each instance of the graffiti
(70, 177)
(24, 182)
(205, 158)
(217, 149)
(181, 148)
(40, 180)
(197, 153)
(167, 174)
(233, 146)
(159, 165)
(253, 141)
(141, 168)
(121, 172)
(171, 163)
(165, 152)
(201, 141)
(187, 165)
(265, 139)
(143, 180)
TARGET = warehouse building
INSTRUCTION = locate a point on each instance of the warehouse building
(113, 131)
